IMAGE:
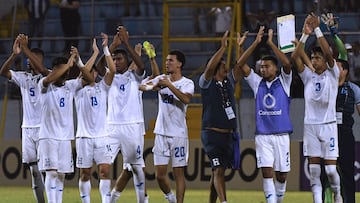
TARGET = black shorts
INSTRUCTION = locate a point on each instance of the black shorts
(218, 147)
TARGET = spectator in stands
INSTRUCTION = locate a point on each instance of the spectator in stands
(350, 54)
(253, 6)
(209, 18)
(70, 22)
(354, 61)
(37, 10)
(289, 10)
(127, 7)
(156, 4)
(310, 6)
(223, 17)
(255, 21)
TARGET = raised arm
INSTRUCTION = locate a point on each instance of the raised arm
(86, 70)
(137, 49)
(100, 65)
(279, 54)
(299, 56)
(109, 61)
(215, 59)
(124, 36)
(5, 68)
(315, 23)
(59, 71)
(115, 43)
(240, 42)
(38, 64)
(245, 56)
(150, 52)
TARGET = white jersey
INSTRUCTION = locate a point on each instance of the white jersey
(254, 80)
(30, 93)
(125, 99)
(57, 110)
(171, 118)
(320, 93)
(91, 110)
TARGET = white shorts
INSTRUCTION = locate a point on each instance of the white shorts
(30, 144)
(129, 139)
(92, 149)
(176, 148)
(55, 154)
(273, 151)
(321, 141)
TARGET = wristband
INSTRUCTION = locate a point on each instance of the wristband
(318, 32)
(303, 38)
(106, 51)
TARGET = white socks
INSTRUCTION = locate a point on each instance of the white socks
(50, 186)
(280, 189)
(104, 188)
(315, 183)
(139, 182)
(85, 189)
(115, 195)
(171, 198)
(60, 187)
(37, 183)
(334, 180)
(269, 190)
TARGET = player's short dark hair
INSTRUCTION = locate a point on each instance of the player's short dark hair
(59, 60)
(317, 49)
(180, 56)
(270, 58)
(122, 52)
(38, 51)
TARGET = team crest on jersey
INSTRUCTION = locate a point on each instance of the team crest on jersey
(269, 101)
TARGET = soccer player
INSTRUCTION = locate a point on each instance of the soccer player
(320, 92)
(125, 119)
(150, 52)
(91, 139)
(57, 125)
(28, 83)
(273, 124)
(171, 141)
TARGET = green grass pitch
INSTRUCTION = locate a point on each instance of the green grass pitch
(71, 195)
